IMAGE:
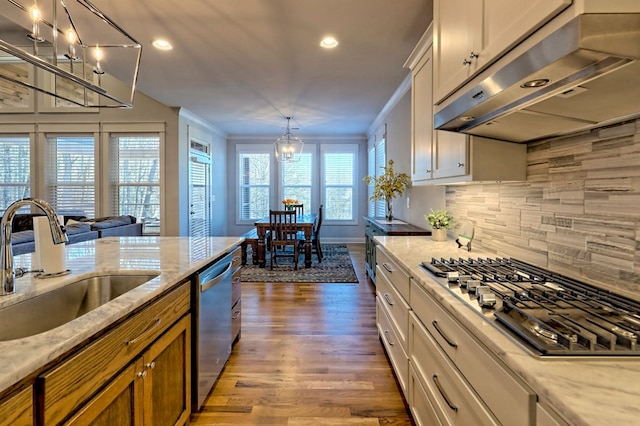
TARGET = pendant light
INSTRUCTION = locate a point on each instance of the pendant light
(288, 147)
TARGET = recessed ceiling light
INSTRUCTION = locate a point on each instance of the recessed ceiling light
(329, 42)
(162, 44)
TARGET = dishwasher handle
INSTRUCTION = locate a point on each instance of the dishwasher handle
(206, 282)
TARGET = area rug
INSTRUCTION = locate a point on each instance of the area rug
(336, 267)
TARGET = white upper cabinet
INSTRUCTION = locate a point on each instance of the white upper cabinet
(469, 35)
(422, 118)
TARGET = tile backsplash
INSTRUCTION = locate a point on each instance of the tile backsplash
(578, 212)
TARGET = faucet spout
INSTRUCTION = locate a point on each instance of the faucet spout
(8, 276)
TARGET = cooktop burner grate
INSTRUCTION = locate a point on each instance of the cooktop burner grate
(553, 314)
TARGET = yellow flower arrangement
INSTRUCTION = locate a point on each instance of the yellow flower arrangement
(289, 201)
(387, 186)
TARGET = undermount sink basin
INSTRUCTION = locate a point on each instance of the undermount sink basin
(57, 307)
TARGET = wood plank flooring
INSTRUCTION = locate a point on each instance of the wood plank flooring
(309, 354)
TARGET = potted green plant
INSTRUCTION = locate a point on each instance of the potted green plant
(440, 221)
(387, 186)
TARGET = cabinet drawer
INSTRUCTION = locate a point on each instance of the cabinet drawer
(512, 401)
(396, 307)
(397, 355)
(422, 411)
(76, 379)
(17, 410)
(395, 275)
(454, 399)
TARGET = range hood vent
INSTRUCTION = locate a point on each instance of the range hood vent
(584, 75)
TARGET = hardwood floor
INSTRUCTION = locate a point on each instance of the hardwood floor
(309, 354)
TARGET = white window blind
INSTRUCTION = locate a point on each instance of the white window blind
(371, 171)
(339, 171)
(296, 180)
(135, 178)
(381, 161)
(254, 181)
(70, 174)
(15, 157)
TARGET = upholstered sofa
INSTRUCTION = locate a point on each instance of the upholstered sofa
(78, 229)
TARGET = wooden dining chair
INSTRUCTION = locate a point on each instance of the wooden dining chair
(298, 208)
(315, 238)
(283, 230)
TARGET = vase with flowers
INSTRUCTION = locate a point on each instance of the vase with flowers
(289, 202)
(440, 221)
(387, 186)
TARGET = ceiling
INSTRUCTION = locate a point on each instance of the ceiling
(244, 65)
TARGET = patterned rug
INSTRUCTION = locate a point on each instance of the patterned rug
(336, 267)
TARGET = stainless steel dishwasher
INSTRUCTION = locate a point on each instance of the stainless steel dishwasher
(211, 330)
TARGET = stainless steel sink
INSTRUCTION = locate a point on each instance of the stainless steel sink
(57, 307)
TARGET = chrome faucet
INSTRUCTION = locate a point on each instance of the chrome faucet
(6, 253)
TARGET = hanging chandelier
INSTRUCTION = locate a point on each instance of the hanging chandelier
(288, 147)
(68, 49)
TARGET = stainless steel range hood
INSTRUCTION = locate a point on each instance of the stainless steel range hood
(584, 75)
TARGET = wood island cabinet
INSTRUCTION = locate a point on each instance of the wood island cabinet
(17, 409)
(138, 372)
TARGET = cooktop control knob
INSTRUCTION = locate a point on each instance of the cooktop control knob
(463, 279)
(452, 276)
(472, 285)
(486, 298)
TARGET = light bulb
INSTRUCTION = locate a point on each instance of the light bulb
(97, 53)
(71, 39)
(35, 29)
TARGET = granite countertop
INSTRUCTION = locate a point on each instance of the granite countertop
(585, 390)
(174, 257)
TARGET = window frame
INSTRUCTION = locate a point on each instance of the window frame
(12, 139)
(261, 149)
(341, 148)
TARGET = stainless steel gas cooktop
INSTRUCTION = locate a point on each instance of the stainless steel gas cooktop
(548, 312)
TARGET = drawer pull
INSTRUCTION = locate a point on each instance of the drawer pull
(150, 365)
(386, 337)
(386, 297)
(444, 336)
(235, 315)
(142, 374)
(153, 325)
(385, 266)
(444, 395)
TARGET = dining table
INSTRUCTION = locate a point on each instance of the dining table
(305, 224)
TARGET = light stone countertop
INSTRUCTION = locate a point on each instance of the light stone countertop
(174, 257)
(591, 391)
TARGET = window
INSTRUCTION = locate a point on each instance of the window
(296, 180)
(135, 178)
(70, 174)
(254, 177)
(15, 157)
(339, 170)
(376, 160)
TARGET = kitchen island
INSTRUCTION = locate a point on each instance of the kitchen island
(175, 259)
(580, 390)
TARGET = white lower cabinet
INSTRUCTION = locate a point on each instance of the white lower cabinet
(422, 411)
(453, 399)
(393, 346)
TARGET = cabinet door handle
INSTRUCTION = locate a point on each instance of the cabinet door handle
(473, 55)
(142, 374)
(153, 325)
(235, 315)
(444, 395)
(460, 164)
(386, 297)
(428, 171)
(385, 266)
(150, 365)
(466, 62)
(386, 337)
(444, 336)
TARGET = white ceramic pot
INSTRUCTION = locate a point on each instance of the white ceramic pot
(439, 234)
